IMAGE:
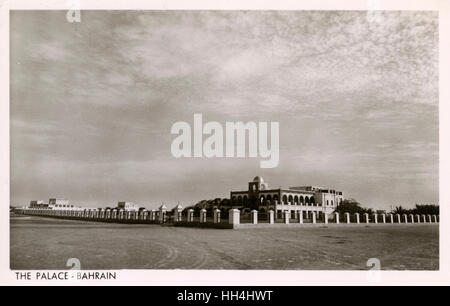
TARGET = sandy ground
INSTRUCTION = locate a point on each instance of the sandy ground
(40, 243)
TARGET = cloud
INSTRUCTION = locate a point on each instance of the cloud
(356, 99)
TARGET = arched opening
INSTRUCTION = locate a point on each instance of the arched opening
(290, 199)
(284, 199)
(269, 199)
(275, 197)
(306, 200)
(312, 200)
(296, 200)
(262, 199)
(302, 200)
(245, 200)
(239, 200)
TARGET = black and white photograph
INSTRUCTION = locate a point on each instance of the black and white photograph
(209, 139)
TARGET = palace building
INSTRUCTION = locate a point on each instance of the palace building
(127, 206)
(302, 198)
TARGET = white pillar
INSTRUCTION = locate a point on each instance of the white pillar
(434, 219)
(366, 216)
(300, 216)
(392, 218)
(429, 218)
(384, 218)
(234, 216)
(357, 218)
(418, 218)
(337, 217)
(202, 215)
(347, 217)
(161, 215)
(286, 216)
(271, 217)
(313, 217)
(375, 218)
(178, 216)
(254, 216)
(412, 218)
(423, 219)
(190, 216)
(405, 218)
(399, 219)
(325, 216)
(217, 216)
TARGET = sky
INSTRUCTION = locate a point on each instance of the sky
(92, 103)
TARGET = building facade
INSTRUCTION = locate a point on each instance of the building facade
(38, 204)
(54, 204)
(59, 204)
(128, 206)
(293, 199)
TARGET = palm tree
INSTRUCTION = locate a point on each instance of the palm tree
(400, 210)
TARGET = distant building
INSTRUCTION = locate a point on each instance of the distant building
(38, 204)
(128, 206)
(59, 204)
(305, 198)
